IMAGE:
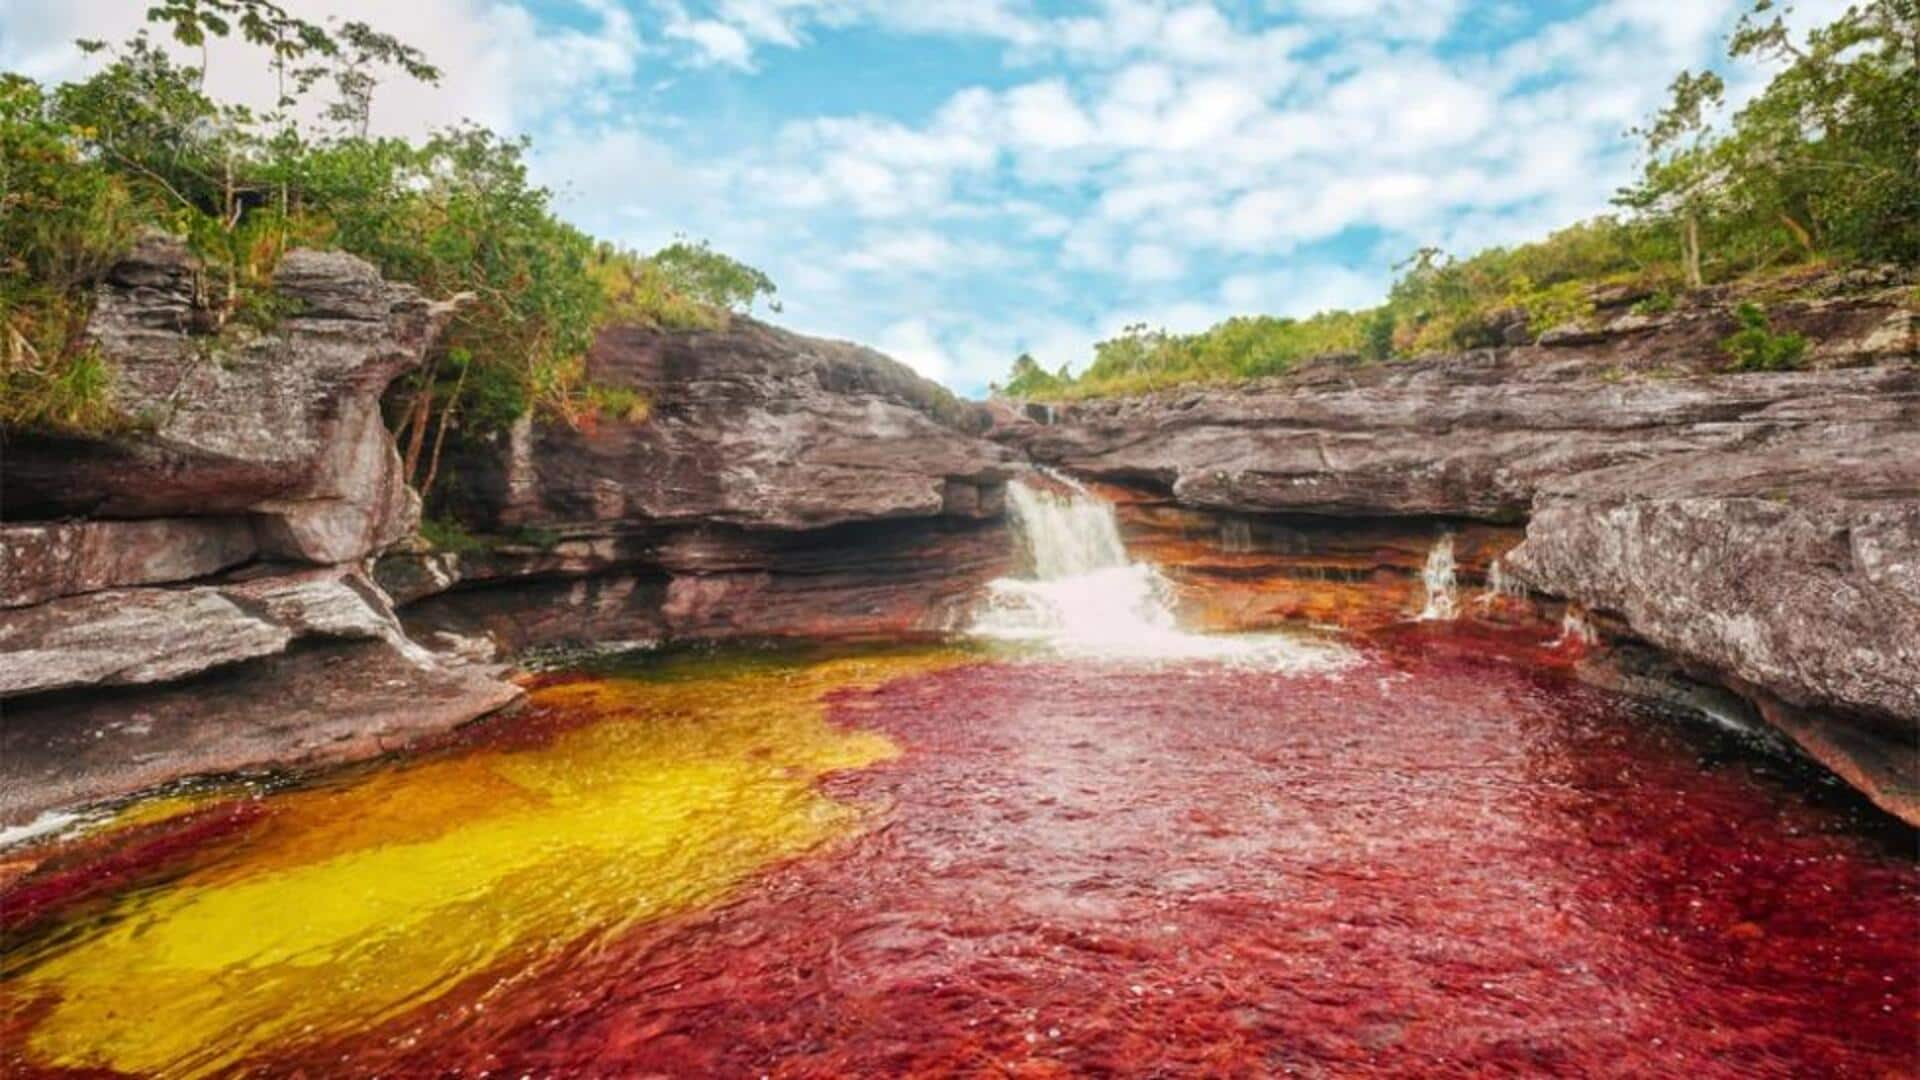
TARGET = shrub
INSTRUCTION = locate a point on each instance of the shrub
(1755, 347)
(86, 166)
(1378, 342)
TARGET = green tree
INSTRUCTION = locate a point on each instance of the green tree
(697, 271)
(1378, 343)
(1684, 176)
(1028, 379)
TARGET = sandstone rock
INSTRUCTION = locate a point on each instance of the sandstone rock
(781, 485)
(1762, 529)
(283, 425)
(750, 426)
(896, 579)
(257, 480)
(1796, 569)
(1473, 436)
(125, 637)
(43, 561)
(322, 702)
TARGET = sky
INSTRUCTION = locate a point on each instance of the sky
(958, 181)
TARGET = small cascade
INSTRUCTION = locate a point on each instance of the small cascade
(1236, 537)
(1086, 597)
(1443, 603)
(1501, 585)
(1575, 630)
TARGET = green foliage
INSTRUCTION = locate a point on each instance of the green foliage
(1825, 163)
(1444, 303)
(141, 145)
(618, 403)
(447, 534)
(1028, 380)
(705, 276)
(1661, 302)
(1822, 167)
(64, 220)
(1376, 342)
(1755, 347)
(1562, 304)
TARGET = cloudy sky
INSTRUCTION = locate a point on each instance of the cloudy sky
(956, 181)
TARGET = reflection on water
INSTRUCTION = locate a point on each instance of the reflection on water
(1437, 861)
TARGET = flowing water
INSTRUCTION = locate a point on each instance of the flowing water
(1117, 850)
(1438, 577)
(1085, 597)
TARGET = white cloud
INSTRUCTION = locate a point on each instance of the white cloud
(716, 42)
(913, 343)
(502, 66)
(1171, 161)
(1153, 262)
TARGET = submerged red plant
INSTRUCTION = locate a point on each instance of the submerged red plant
(1438, 864)
(1442, 861)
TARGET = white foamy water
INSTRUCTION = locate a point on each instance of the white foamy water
(1087, 598)
(1443, 601)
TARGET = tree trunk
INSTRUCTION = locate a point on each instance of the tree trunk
(418, 413)
(1692, 252)
(440, 437)
(1799, 232)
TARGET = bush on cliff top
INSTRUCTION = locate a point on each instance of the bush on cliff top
(85, 166)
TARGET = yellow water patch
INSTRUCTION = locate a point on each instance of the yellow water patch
(359, 899)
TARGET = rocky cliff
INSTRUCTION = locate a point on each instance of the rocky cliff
(192, 593)
(780, 485)
(1761, 529)
(235, 581)
(213, 588)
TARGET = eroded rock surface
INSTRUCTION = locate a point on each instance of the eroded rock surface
(780, 485)
(193, 592)
(751, 426)
(282, 426)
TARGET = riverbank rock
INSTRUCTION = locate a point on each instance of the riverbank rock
(779, 485)
(200, 578)
(1761, 528)
(281, 425)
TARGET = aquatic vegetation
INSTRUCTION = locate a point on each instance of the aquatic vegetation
(354, 899)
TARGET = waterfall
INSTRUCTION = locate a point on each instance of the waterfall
(1438, 576)
(1575, 630)
(1087, 597)
(1501, 585)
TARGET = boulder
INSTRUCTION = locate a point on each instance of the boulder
(1795, 568)
(752, 426)
(321, 702)
(191, 592)
(780, 485)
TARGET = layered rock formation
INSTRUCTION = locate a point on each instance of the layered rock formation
(226, 533)
(1759, 528)
(780, 485)
(216, 587)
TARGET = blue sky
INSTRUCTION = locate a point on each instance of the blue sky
(955, 181)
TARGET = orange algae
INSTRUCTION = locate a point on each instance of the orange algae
(359, 899)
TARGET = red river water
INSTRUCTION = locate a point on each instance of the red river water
(1447, 859)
